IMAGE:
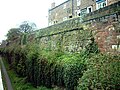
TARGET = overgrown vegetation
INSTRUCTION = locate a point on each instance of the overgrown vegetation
(103, 73)
(50, 68)
(46, 68)
(86, 70)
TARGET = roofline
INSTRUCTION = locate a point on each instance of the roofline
(59, 5)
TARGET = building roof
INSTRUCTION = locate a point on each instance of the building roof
(59, 5)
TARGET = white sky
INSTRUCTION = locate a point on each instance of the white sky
(13, 12)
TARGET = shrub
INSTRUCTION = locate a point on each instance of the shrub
(32, 63)
(73, 68)
(103, 73)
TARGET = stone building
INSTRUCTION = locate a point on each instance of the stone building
(69, 9)
(62, 12)
(87, 6)
(74, 8)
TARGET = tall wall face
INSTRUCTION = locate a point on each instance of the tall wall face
(71, 41)
(107, 36)
(74, 35)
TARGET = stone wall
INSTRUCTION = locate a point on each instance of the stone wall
(74, 35)
(107, 36)
(104, 13)
(70, 41)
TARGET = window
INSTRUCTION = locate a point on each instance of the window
(56, 14)
(65, 18)
(83, 11)
(101, 4)
(69, 10)
(70, 16)
(89, 9)
(77, 12)
(55, 21)
(78, 2)
(104, 4)
(51, 23)
(100, 1)
(64, 7)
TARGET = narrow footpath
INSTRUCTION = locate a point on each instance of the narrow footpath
(8, 82)
(1, 83)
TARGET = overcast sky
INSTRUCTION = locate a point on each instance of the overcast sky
(13, 12)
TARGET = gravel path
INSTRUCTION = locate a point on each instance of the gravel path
(8, 82)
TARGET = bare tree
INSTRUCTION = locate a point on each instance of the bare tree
(27, 27)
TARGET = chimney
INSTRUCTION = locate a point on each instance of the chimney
(53, 5)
